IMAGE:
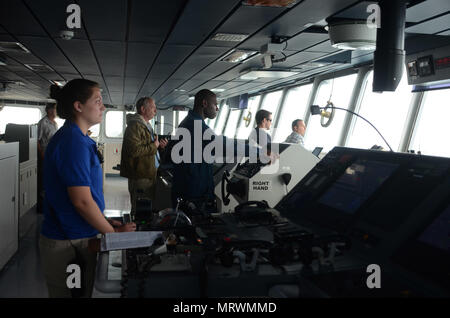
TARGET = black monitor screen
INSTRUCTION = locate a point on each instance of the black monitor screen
(357, 184)
(437, 234)
(428, 254)
(243, 101)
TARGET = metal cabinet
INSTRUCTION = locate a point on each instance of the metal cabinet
(9, 209)
(28, 185)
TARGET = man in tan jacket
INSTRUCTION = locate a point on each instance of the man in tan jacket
(140, 157)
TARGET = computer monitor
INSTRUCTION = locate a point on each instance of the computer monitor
(316, 152)
(243, 101)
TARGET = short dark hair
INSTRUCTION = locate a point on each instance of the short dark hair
(260, 115)
(295, 122)
(141, 102)
(201, 96)
(79, 89)
(49, 106)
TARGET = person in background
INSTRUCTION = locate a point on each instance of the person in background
(259, 135)
(193, 181)
(298, 132)
(47, 127)
(140, 157)
(73, 183)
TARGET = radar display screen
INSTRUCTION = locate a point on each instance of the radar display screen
(356, 185)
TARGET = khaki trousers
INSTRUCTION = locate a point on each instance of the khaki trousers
(56, 255)
(141, 188)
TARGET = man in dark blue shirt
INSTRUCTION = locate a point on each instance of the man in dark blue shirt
(193, 170)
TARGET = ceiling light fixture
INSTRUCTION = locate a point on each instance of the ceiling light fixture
(270, 3)
(39, 68)
(255, 74)
(13, 47)
(229, 37)
(59, 83)
(352, 35)
(237, 56)
(2, 59)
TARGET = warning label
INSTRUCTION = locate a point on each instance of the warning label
(261, 186)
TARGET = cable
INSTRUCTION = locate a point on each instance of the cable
(332, 88)
(332, 106)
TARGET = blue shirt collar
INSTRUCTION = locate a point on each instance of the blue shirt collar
(195, 115)
(74, 127)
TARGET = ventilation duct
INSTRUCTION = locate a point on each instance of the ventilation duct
(389, 55)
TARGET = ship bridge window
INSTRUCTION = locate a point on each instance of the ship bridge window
(271, 102)
(294, 107)
(339, 90)
(387, 111)
(430, 135)
(230, 129)
(249, 113)
(181, 115)
(114, 124)
(60, 122)
(221, 118)
(19, 115)
(95, 130)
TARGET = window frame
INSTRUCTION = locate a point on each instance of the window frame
(318, 81)
(105, 124)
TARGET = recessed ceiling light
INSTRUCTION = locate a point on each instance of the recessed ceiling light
(255, 74)
(39, 67)
(13, 47)
(269, 3)
(60, 83)
(236, 56)
(218, 90)
(229, 37)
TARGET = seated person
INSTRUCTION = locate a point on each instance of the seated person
(298, 132)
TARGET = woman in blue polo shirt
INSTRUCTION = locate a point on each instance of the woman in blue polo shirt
(73, 183)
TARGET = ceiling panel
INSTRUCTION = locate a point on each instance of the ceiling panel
(105, 21)
(18, 20)
(116, 98)
(140, 57)
(324, 47)
(115, 83)
(47, 51)
(152, 20)
(432, 26)
(426, 10)
(111, 56)
(192, 84)
(189, 31)
(133, 84)
(305, 40)
(246, 20)
(80, 54)
(200, 59)
(53, 16)
(445, 33)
